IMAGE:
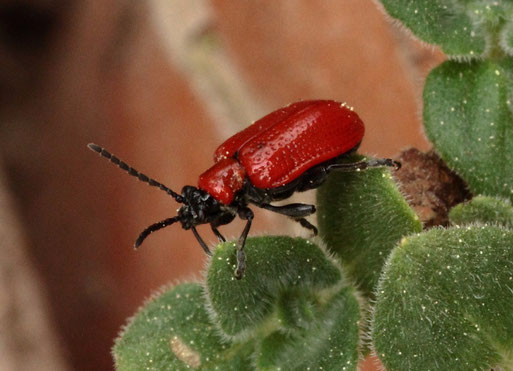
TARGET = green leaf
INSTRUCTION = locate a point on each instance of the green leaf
(447, 24)
(275, 266)
(173, 332)
(445, 301)
(506, 38)
(296, 308)
(469, 118)
(488, 13)
(329, 343)
(485, 210)
(292, 301)
(361, 217)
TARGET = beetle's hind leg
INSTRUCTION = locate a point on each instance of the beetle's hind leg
(296, 212)
(292, 210)
(364, 164)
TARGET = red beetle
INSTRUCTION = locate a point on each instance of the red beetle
(290, 150)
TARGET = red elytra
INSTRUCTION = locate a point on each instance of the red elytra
(235, 142)
(281, 146)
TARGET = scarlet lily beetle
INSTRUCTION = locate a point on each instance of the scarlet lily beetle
(292, 149)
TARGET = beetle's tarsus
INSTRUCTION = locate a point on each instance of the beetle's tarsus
(241, 264)
(364, 164)
(245, 214)
(306, 224)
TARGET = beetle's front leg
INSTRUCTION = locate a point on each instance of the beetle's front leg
(245, 214)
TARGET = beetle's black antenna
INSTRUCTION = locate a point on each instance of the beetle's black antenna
(130, 170)
(154, 227)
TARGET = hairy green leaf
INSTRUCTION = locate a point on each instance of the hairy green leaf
(448, 24)
(328, 343)
(173, 332)
(292, 301)
(275, 265)
(445, 301)
(469, 118)
(506, 38)
(485, 210)
(361, 217)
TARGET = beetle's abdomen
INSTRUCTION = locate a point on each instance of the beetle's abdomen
(318, 132)
(223, 180)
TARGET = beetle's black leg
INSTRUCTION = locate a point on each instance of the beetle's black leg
(245, 214)
(306, 224)
(200, 240)
(296, 212)
(362, 165)
(218, 234)
(154, 227)
(292, 210)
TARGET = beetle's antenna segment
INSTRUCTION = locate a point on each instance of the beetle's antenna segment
(154, 227)
(131, 171)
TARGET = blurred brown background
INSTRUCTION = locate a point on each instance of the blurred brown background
(160, 83)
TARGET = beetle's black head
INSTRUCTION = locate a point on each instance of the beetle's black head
(199, 207)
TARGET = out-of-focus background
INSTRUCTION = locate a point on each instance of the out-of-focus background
(160, 83)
